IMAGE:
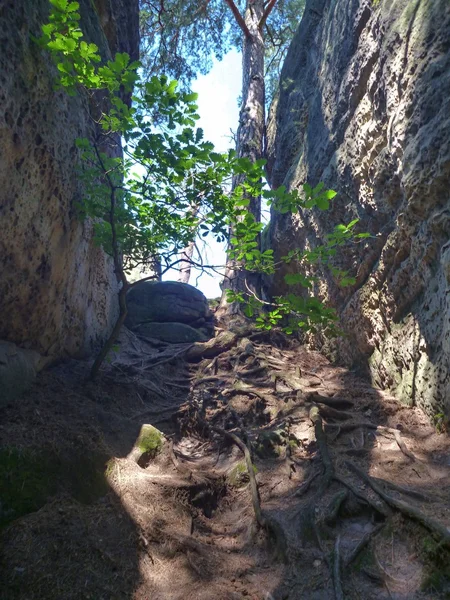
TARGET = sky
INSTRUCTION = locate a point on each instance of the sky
(218, 93)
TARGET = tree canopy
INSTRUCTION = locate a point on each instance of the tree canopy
(180, 38)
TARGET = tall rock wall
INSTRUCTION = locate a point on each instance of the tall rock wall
(364, 106)
(57, 289)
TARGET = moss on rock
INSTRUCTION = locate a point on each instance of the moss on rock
(148, 444)
(150, 439)
(238, 476)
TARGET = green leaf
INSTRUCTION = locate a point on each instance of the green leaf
(172, 86)
(248, 311)
(61, 5)
(322, 203)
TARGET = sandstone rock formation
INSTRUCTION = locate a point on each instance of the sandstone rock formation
(57, 289)
(364, 105)
(18, 370)
(170, 311)
(172, 332)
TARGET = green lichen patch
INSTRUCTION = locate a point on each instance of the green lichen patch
(294, 443)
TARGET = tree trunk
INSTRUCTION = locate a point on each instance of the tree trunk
(250, 137)
(185, 266)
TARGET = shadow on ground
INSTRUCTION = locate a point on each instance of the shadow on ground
(81, 519)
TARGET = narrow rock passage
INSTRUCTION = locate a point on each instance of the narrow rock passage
(268, 473)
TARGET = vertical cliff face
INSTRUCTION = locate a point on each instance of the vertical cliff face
(57, 289)
(364, 105)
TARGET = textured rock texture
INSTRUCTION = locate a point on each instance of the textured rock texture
(17, 371)
(364, 105)
(173, 333)
(57, 290)
(170, 311)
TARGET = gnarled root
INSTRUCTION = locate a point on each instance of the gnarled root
(442, 532)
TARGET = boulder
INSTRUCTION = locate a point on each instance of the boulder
(167, 302)
(174, 333)
(147, 446)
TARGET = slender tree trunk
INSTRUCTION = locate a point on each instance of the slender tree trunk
(188, 252)
(185, 268)
(250, 135)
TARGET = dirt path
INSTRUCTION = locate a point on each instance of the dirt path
(347, 495)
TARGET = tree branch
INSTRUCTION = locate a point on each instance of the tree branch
(266, 13)
(239, 19)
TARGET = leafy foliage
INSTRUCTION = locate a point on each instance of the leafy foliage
(181, 36)
(168, 183)
(166, 167)
(294, 312)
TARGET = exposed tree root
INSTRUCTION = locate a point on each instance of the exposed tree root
(346, 427)
(221, 343)
(165, 358)
(378, 508)
(210, 379)
(404, 507)
(362, 544)
(252, 371)
(335, 505)
(313, 520)
(404, 490)
(401, 444)
(337, 403)
(246, 391)
(181, 468)
(331, 413)
(264, 521)
(338, 593)
(306, 484)
(315, 417)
